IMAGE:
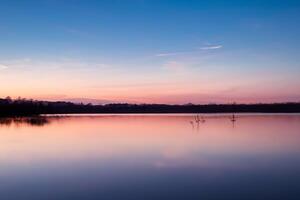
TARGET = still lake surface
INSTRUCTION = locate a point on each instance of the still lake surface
(145, 157)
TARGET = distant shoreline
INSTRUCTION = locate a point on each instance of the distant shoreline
(175, 114)
(23, 107)
(162, 114)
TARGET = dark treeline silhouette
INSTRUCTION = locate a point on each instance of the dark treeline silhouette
(24, 107)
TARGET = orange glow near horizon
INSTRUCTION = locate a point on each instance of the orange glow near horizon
(159, 87)
(171, 94)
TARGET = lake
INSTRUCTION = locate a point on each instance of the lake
(143, 157)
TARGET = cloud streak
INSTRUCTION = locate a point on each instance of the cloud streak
(211, 47)
(58, 63)
(208, 47)
(169, 54)
(2, 67)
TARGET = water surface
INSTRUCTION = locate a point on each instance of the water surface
(150, 157)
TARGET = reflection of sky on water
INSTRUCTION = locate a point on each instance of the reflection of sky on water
(151, 157)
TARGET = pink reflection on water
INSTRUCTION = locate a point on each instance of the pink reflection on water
(161, 140)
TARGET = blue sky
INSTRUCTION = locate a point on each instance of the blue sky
(151, 50)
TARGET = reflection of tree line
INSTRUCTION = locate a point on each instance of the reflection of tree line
(25, 107)
(33, 121)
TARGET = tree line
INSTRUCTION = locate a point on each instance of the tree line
(26, 107)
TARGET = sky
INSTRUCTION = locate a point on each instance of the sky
(150, 51)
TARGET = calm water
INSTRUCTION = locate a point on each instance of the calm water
(150, 157)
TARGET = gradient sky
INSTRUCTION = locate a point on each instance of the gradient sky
(151, 51)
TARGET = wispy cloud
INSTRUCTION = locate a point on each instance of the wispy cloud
(211, 47)
(169, 54)
(3, 66)
(207, 47)
(56, 64)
